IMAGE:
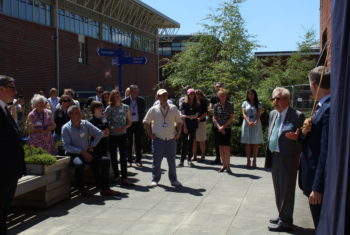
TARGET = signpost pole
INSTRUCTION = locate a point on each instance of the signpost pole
(120, 79)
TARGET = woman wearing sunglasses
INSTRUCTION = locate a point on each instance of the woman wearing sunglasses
(61, 115)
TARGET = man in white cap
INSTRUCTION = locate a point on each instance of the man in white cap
(165, 130)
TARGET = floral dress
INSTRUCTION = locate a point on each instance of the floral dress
(41, 121)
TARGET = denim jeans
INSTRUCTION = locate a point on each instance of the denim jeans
(100, 167)
(163, 148)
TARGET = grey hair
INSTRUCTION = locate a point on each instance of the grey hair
(315, 76)
(134, 86)
(5, 79)
(281, 90)
(36, 99)
(72, 108)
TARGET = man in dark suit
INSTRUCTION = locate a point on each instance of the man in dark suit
(138, 108)
(315, 142)
(97, 97)
(12, 165)
(285, 157)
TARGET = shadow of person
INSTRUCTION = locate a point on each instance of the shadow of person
(302, 231)
(250, 169)
(146, 169)
(253, 177)
(183, 189)
(205, 167)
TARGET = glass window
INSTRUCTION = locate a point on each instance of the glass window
(30, 10)
(8, 7)
(72, 22)
(48, 15)
(42, 13)
(1, 9)
(95, 29)
(36, 17)
(90, 27)
(15, 8)
(81, 25)
(61, 18)
(76, 24)
(22, 9)
(66, 20)
(86, 26)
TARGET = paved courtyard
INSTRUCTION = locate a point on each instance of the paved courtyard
(208, 203)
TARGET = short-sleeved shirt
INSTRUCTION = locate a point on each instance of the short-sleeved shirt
(117, 117)
(222, 113)
(163, 128)
(187, 109)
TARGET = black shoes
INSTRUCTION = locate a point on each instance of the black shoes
(280, 227)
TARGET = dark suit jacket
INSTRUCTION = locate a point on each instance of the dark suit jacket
(314, 152)
(11, 150)
(289, 149)
(89, 101)
(141, 106)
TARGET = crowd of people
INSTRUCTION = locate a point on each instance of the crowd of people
(118, 124)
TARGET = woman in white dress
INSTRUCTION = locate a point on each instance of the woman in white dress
(251, 128)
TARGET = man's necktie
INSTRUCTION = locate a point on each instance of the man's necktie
(274, 135)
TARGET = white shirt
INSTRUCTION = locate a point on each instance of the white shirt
(134, 110)
(163, 121)
(283, 116)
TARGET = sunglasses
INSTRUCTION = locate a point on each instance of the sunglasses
(66, 100)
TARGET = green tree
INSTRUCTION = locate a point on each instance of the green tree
(292, 71)
(223, 52)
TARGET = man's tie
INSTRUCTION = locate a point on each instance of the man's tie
(274, 135)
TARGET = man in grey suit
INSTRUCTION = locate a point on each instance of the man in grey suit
(284, 154)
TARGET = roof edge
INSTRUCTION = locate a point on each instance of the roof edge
(157, 12)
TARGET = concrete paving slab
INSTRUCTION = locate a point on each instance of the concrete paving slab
(208, 203)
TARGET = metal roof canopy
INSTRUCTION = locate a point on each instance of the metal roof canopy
(131, 15)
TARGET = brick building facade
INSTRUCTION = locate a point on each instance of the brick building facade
(28, 53)
(325, 26)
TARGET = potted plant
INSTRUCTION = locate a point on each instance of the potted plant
(40, 162)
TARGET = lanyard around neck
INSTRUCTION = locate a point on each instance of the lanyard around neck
(164, 114)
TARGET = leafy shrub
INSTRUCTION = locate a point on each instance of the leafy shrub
(43, 159)
(35, 155)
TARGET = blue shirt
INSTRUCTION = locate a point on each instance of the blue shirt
(75, 140)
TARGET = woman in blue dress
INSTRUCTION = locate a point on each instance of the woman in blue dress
(251, 128)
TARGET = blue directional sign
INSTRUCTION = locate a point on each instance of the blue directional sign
(120, 58)
(133, 60)
(109, 52)
(116, 61)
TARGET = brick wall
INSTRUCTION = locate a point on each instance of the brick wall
(325, 25)
(28, 53)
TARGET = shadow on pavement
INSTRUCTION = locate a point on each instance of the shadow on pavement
(302, 231)
(21, 219)
(253, 177)
(183, 189)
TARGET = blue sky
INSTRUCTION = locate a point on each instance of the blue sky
(277, 24)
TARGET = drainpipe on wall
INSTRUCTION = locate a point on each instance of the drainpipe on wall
(57, 51)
